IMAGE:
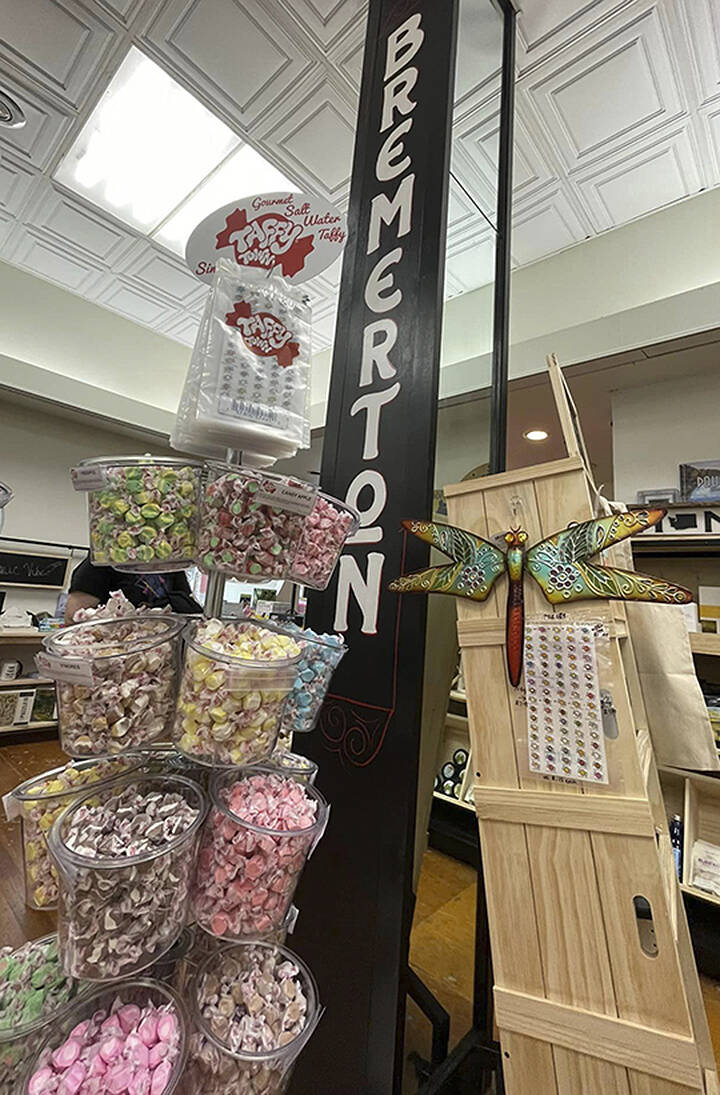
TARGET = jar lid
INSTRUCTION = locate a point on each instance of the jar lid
(32, 789)
(190, 791)
(199, 645)
(74, 641)
(224, 778)
(138, 461)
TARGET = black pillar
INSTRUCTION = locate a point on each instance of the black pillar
(379, 445)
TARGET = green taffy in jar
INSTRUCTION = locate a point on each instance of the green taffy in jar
(143, 511)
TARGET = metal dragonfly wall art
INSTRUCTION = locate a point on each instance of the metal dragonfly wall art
(559, 564)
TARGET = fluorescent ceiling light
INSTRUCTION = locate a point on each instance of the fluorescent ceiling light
(243, 172)
(149, 148)
(536, 435)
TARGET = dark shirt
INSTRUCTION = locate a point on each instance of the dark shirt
(155, 590)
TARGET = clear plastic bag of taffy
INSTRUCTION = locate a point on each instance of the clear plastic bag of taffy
(254, 388)
(143, 511)
(234, 683)
(320, 657)
(40, 800)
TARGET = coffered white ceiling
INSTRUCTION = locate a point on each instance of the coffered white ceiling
(618, 114)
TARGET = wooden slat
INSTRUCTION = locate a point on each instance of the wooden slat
(668, 1056)
(608, 814)
(519, 475)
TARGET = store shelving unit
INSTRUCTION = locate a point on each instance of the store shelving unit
(8, 640)
(695, 796)
(50, 725)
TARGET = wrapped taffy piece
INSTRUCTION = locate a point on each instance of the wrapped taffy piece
(234, 684)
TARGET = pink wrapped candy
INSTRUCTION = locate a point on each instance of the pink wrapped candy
(253, 848)
(323, 537)
(132, 1043)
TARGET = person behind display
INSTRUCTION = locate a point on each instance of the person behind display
(92, 585)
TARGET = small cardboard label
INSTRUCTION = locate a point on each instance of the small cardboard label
(294, 498)
(90, 478)
(69, 670)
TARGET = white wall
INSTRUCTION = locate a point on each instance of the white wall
(37, 449)
(660, 426)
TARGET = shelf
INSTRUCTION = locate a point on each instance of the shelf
(29, 726)
(27, 682)
(705, 643)
(460, 697)
(454, 801)
(711, 898)
(17, 640)
(688, 773)
(667, 543)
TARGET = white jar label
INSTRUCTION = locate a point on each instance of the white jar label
(294, 498)
(90, 478)
(68, 670)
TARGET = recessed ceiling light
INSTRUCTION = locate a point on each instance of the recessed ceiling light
(11, 113)
(149, 146)
(536, 435)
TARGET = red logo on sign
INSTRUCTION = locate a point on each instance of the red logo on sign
(269, 240)
(263, 333)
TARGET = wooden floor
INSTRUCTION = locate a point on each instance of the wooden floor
(441, 948)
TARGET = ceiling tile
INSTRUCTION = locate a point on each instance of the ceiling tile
(45, 127)
(545, 25)
(346, 55)
(50, 260)
(133, 303)
(324, 21)
(73, 223)
(15, 184)
(183, 328)
(155, 271)
(641, 180)
(231, 51)
(124, 10)
(620, 88)
(313, 139)
(544, 228)
(710, 118)
(701, 20)
(471, 262)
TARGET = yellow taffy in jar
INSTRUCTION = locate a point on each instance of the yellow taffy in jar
(39, 801)
(236, 679)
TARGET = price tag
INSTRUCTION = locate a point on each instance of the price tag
(69, 670)
(294, 498)
(90, 478)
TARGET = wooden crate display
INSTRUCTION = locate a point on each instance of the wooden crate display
(583, 1005)
(701, 822)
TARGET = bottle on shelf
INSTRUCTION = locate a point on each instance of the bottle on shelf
(676, 840)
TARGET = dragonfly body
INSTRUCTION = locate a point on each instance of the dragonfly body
(560, 564)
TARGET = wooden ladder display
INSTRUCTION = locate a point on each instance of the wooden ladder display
(583, 1005)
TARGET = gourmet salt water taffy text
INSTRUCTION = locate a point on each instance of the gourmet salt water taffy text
(233, 688)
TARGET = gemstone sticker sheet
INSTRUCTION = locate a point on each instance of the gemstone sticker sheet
(565, 736)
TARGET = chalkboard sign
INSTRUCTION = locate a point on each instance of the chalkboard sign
(20, 568)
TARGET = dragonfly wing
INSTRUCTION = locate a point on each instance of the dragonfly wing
(562, 582)
(477, 563)
(581, 541)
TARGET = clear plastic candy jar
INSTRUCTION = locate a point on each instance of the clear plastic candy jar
(320, 657)
(261, 828)
(34, 996)
(252, 522)
(322, 539)
(39, 801)
(116, 682)
(255, 1008)
(125, 864)
(293, 764)
(143, 511)
(236, 677)
(125, 1038)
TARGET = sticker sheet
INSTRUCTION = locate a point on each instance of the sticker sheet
(565, 734)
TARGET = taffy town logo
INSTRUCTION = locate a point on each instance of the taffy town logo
(263, 333)
(267, 241)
